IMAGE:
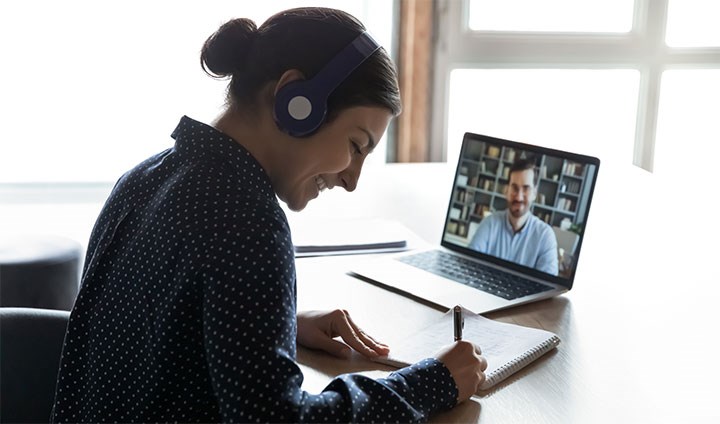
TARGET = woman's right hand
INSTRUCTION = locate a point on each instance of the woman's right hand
(466, 366)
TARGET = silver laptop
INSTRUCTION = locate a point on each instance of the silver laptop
(512, 234)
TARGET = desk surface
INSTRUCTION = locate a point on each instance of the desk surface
(637, 328)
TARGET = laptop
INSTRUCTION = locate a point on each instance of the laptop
(512, 234)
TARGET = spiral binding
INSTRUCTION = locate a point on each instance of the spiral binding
(521, 362)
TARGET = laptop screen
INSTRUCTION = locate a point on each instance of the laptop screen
(521, 206)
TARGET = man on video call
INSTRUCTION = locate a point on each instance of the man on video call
(515, 234)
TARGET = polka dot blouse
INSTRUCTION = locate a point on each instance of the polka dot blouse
(187, 310)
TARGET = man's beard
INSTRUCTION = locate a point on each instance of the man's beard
(518, 213)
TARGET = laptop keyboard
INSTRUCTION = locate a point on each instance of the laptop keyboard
(473, 274)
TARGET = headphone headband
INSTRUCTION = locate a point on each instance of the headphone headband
(345, 62)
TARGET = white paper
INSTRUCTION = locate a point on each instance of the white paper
(502, 344)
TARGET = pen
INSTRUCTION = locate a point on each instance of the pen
(458, 322)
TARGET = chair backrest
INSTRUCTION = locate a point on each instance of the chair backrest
(31, 342)
(566, 240)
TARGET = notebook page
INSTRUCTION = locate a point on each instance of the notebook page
(506, 347)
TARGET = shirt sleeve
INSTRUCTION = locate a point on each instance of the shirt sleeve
(481, 239)
(249, 327)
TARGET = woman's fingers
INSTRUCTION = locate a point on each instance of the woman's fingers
(483, 363)
(333, 347)
(317, 330)
(355, 337)
(368, 340)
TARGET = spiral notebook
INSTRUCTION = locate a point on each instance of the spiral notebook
(507, 347)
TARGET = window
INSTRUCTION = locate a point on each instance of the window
(600, 77)
(556, 108)
(551, 15)
(693, 23)
(688, 135)
(89, 89)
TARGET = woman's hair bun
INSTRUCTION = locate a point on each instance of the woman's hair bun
(225, 52)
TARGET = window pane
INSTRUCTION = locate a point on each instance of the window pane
(551, 15)
(584, 111)
(96, 87)
(688, 134)
(693, 23)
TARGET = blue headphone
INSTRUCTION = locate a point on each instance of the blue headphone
(301, 106)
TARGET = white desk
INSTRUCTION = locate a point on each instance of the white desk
(634, 348)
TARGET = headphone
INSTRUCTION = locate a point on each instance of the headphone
(301, 106)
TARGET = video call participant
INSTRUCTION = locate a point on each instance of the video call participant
(187, 310)
(515, 234)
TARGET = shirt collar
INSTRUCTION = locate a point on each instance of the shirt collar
(197, 139)
(509, 227)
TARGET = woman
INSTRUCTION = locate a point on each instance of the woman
(187, 306)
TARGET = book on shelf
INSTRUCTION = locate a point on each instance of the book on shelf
(510, 155)
(565, 204)
(570, 187)
(508, 348)
(493, 151)
(572, 168)
(462, 180)
(573, 187)
(462, 229)
(481, 209)
(454, 213)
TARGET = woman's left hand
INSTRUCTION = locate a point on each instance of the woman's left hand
(317, 329)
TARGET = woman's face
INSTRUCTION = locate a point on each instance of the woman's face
(332, 157)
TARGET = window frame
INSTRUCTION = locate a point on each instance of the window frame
(643, 48)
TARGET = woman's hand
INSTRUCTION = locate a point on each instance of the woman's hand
(466, 366)
(317, 329)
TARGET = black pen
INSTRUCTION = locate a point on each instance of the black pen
(458, 322)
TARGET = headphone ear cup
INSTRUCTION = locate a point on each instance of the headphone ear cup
(299, 108)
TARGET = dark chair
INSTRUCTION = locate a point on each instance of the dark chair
(30, 347)
(39, 272)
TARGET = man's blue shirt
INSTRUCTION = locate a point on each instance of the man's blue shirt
(534, 245)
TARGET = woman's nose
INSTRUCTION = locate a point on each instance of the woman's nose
(349, 179)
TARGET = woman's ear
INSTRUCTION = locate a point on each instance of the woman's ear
(288, 77)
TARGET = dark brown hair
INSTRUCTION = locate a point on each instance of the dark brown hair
(525, 164)
(304, 39)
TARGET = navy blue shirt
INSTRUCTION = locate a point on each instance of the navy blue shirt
(189, 252)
